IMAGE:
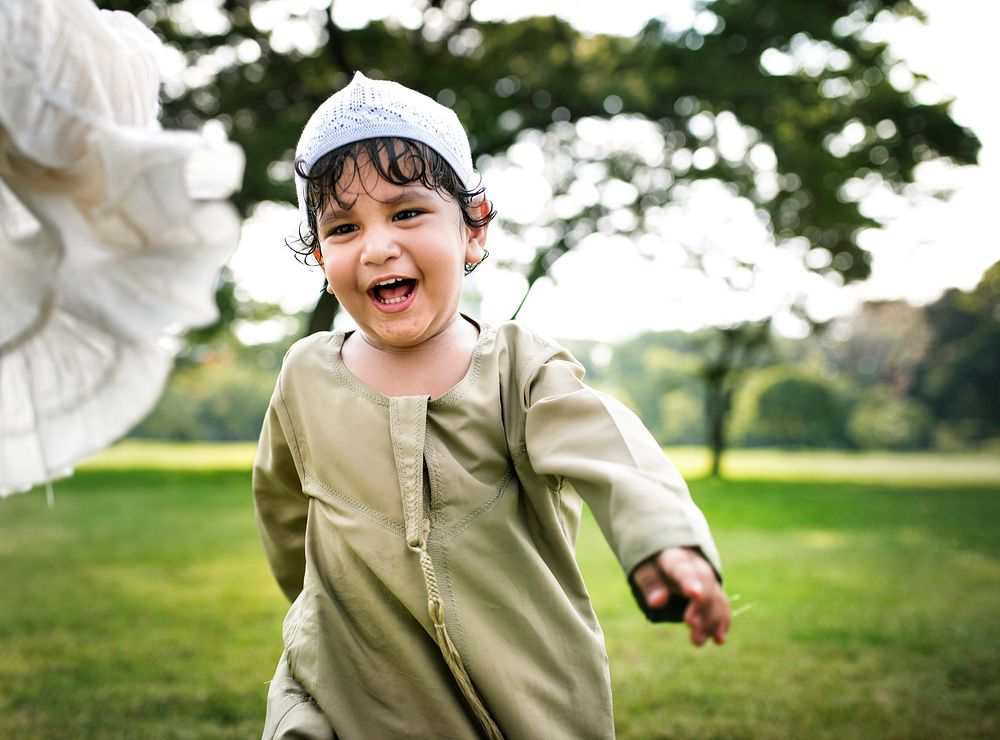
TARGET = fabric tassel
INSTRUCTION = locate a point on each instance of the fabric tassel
(448, 650)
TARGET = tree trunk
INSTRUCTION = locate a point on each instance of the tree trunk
(716, 407)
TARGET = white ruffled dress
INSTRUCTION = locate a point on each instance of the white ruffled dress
(112, 233)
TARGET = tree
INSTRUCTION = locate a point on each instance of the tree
(648, 368)
(736, 349)
(959, 379)
(682, 419)
(811, 95)
(882, 419)
(223, 398)
(794, 407)
(790, 105)
(882, 343)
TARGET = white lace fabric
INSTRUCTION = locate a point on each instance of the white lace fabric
(112, 233)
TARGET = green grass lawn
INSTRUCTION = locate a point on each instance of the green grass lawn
(866, 588)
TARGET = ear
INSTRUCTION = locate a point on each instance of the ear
(318, 255)
(475, 244)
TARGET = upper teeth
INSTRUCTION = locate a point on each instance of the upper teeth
(390, 281)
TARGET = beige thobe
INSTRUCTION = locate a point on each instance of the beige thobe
(495, 470)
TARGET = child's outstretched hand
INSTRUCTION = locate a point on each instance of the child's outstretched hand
(683, 569)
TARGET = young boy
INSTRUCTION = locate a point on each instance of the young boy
(418, 482)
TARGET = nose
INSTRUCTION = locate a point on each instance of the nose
(379, 245)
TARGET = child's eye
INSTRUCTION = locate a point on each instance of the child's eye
(407, 213)
(340, 230)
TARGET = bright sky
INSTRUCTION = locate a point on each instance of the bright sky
(604, 290)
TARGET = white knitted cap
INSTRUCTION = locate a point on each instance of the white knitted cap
(367, 109)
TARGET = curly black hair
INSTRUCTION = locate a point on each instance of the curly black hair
(396, 160)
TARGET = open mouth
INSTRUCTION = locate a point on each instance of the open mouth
(391, 292)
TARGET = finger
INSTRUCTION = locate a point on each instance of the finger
(694, 618)
(653, 585)
(716, 624)
(692, 574)
(709, 618)
(723, 629)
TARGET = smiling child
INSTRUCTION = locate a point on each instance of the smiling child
(419, 480)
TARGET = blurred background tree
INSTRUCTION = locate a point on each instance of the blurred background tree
(884, 344)
(959, 380)
(793, 406)
(790, 109)
(889, 376)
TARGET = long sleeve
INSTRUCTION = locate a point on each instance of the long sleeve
(280, 505)
(576, 435)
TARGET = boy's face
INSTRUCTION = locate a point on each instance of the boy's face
(395, 258)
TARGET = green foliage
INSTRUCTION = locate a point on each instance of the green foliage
(540, 73)
(959, 380)
(224, 398)
(543, 75)
(792, 406)
(729, 353)
(907, 378)
(882, 420)
(648, 373)
(682, 419)
(660, 375)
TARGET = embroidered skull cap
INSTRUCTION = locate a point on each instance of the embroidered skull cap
(368, 109)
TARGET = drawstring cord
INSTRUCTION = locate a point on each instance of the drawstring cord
(435, 607)
(408, 449)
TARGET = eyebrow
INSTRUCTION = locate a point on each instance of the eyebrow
(406, 193)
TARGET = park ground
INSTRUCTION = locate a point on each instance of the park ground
(865, 589)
